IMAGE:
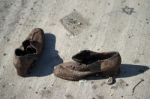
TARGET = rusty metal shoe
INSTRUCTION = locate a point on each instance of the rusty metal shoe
(88, 63)
(29, 51)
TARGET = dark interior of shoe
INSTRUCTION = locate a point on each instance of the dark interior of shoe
(30, 50)
(88, 57)
(26, 43)
(19, 52)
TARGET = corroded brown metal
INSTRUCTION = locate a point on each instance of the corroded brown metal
(87, 63)
(29, 51)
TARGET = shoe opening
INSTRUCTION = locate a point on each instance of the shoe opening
(26, 43)
(88, 57)
(19, 52)
(30, 50)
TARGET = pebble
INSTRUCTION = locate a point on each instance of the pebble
(4, 54)
(110, 80)
(44, 88)
(36, 92)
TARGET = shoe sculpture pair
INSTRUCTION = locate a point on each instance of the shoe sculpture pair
(84, 63)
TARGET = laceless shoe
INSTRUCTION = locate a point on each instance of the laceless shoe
(88, 63)
(29, 51)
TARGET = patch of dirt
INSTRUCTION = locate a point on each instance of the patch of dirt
(4, 54)
(136, 61)
(120, 84)
(128, 10)
(94, 87)
(45, 93)
(68, 96)
(103, 83)
(100, 97)
(74, 22)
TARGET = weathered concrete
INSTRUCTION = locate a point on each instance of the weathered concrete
(110, 25)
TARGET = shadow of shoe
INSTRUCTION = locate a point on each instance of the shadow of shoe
(49, 58)
(126, 70)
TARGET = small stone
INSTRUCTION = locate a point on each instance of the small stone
(127, 84)
(91, 35)
(79, 23)
(8, 40)
(3, 86)
(4, 54)
(36, 92)
(147, 22)
(111, 94)
(44, 88)
(110, 80)
(74, 9)
(98, 49)
(3, 67)
(30, 87)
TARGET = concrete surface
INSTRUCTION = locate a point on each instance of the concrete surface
(113, 25)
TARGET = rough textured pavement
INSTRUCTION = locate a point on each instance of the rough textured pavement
(71, 26)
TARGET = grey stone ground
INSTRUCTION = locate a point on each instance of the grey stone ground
(71, 26)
